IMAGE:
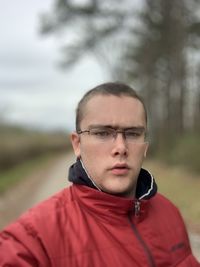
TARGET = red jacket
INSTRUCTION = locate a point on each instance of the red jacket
(82, 227)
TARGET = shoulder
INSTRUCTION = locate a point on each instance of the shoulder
(162, 202)
(44, 216)
(33, 233)
(166, 212)
(49, 210)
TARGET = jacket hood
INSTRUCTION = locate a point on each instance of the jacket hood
(146, 185)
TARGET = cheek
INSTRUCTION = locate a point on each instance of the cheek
(94, 157)
(138, 151)
(85, 149)
(89, 151)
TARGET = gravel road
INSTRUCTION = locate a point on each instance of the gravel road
(50, 179)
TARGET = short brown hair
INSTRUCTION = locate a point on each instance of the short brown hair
(111, 88)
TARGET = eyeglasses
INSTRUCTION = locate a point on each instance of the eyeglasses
(133, 135)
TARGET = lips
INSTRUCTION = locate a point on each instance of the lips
(120, 169)
(120, 166)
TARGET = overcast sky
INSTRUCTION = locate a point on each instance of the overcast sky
(33, 91)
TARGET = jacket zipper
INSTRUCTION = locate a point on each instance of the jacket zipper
(139, 238)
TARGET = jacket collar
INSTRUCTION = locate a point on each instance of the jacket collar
(108, 208)
(146, 185)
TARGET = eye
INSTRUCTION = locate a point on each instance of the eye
(101, 133)
(132, 134)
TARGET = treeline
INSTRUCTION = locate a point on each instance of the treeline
(153, 46)
(18, 144)
(164, 62)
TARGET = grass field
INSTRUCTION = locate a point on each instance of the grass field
(180, 186)
(14, 175)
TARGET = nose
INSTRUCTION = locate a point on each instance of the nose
(119, 145)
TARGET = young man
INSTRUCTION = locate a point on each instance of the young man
(112, 214)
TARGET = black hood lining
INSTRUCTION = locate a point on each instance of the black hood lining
(146, 185)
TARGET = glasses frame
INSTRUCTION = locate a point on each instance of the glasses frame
(115, 132)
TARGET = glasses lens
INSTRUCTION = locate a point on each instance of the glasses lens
(133, 134)
(102, 133)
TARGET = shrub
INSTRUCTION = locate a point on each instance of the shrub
(18, 145)
(184, 150)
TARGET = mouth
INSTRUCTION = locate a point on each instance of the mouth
(120, 169)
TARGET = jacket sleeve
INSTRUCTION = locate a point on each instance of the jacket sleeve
(14, 253)
(20, 247)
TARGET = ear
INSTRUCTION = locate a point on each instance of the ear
(146, 149)
(75, 140)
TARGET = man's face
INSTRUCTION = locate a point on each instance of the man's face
(113, 164)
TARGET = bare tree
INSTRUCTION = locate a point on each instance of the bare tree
(148, 48)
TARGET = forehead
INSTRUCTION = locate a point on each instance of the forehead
(113, 110)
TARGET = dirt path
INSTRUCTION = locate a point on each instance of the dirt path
(40, 186)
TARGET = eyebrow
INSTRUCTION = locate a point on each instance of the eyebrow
(136, 128)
